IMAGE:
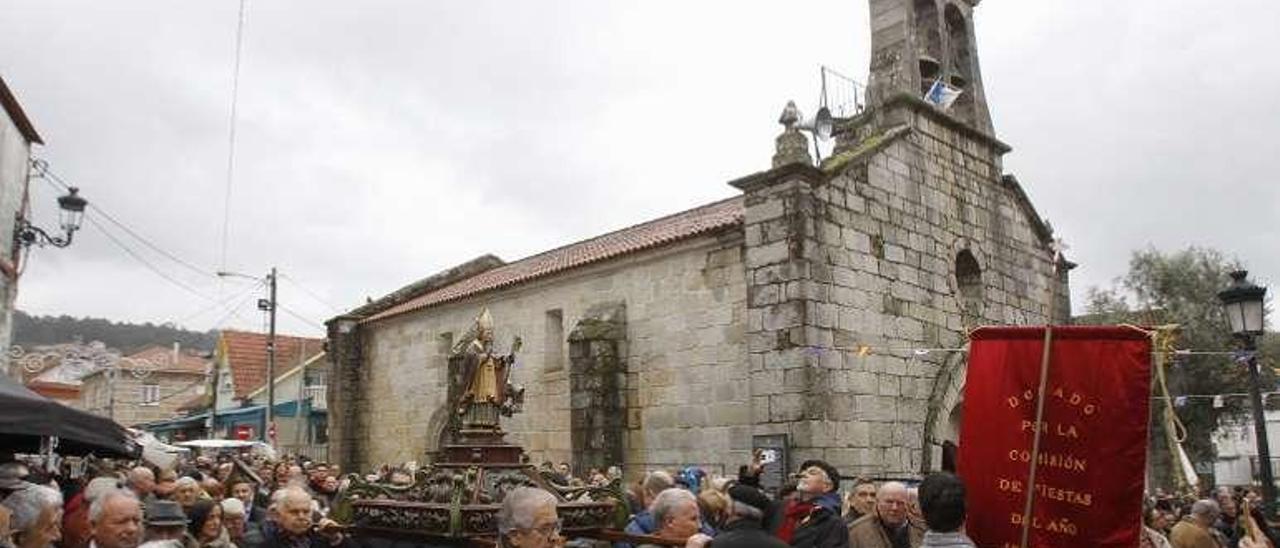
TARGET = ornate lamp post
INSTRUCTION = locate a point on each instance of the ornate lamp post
(1242, 302)
(70, 212)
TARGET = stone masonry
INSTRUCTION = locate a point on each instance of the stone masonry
(834, 312)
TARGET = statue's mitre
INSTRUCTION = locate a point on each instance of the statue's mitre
(485, 320)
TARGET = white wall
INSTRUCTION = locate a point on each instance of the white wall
(1235, 444)
(15, 156)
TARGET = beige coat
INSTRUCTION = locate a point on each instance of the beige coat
(867, 532)
(1186, 534)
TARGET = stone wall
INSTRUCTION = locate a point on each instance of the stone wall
(865, 255)
(684, 354)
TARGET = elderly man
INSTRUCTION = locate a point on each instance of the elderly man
(1196, 530)
(812, 517)
(244, 490)
(36, 520)
(233, 519)
(142, 482)
(942, 503)
(116, 518)
(888, 527)
(289, 523)
(675, 515)
(642, 523)
(528, 520)
(186, 492)
(166, 483)
(745, 526)
(862, 500)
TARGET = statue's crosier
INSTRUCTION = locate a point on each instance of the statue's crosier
(487, 388)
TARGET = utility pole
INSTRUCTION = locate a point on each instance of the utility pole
(271, 360)
(213, 409)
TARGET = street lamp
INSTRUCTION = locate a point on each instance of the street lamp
(1242, 303)
(70, 213)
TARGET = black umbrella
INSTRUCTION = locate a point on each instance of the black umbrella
(26, 417)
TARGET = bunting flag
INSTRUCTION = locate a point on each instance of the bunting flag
(1091, 456)
(942, 95)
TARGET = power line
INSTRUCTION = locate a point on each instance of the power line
(310, 293)
(146, 263)
(219, 304)
(45, 173)
(234, 311)
(300, 317)
(231, 137)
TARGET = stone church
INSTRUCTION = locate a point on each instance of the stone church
(823, 311)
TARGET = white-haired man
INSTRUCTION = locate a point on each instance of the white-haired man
(675, 515)
(142, 481)
(888, 526)
(289, 525)
(36, 518)
(642, 522)
(528, 519)
(233, 519)
(116, 520)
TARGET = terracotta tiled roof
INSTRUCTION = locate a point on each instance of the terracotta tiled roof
(247, 356)
(656, 233)
(161, 358)
(55, 390)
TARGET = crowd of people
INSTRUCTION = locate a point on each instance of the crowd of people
(223, 502)
(205, 503)
(1225, 518)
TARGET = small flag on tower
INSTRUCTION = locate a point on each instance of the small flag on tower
(942, 95)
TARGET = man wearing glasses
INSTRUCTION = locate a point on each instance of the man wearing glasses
(888, 527)
(528, 520)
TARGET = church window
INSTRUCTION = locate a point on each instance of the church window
(969, 286)
(553, 345)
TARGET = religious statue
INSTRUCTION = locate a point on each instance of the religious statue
(486, 390)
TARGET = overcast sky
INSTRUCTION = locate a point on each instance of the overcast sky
(379, 142)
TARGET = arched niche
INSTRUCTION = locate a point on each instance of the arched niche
(959, 58)
(930, 51)
(970, 291)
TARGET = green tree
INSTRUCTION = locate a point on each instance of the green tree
(1181, 288)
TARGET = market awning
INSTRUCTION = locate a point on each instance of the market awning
(26, 417)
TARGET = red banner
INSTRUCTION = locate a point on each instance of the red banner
(1093, 441)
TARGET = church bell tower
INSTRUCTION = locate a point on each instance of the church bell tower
(915, 43)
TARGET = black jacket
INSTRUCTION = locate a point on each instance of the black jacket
(267, 535)
(745, 533)
(822, 528)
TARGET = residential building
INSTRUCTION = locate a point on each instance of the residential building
(239, 403)
(146, 386)
(17, 135)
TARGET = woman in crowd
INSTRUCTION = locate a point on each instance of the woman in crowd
(205, 525)
(36, 516)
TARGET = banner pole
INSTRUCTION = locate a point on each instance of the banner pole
(1029, 505)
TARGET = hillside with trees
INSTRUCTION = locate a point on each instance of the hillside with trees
(127, 337)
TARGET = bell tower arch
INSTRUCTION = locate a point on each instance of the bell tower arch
(917, 42)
